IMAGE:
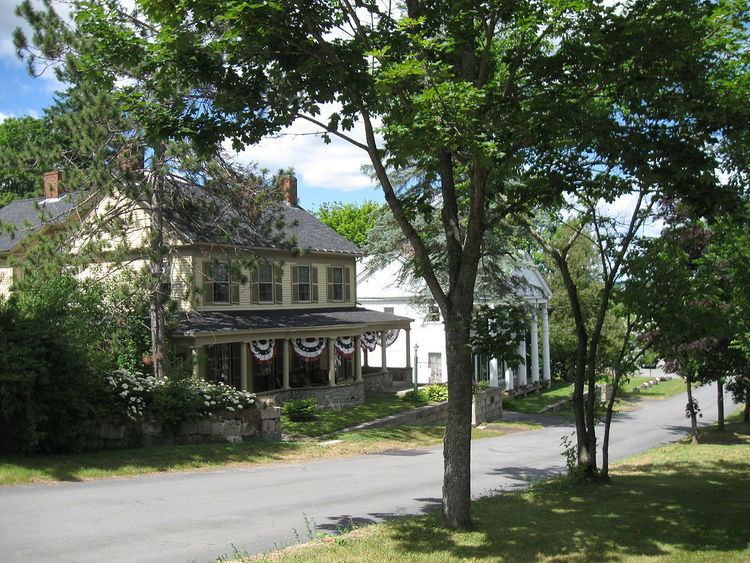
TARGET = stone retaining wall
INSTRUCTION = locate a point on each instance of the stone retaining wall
(378, 383)
(264, 423)
(487, 406)
(328, 398)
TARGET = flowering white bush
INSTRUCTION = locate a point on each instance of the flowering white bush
(140, 394)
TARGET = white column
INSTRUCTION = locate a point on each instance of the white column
(509, 379)
(331, 363)
(383, 353)
(408, 348)
(493, 373)
(196, 357)
(534, 347)
(358, 358)
(546, 374)
(243, 365)
(286, 364)
(522, 379)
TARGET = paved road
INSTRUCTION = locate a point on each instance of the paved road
(198, 516)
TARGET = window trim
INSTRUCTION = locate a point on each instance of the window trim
(270, 283)
(308, 283)
(221, 283)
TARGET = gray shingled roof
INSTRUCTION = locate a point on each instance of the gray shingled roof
(194, 323)
(27, 216)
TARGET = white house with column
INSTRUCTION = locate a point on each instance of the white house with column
(383, 290)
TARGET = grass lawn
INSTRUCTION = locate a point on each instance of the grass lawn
(535, 402)
(661, 390)
(16, 470)
(675, 503)
(331, 421)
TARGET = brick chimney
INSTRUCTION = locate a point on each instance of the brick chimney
(51, 181)
(289, 189)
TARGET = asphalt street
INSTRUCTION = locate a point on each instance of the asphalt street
(198, 516)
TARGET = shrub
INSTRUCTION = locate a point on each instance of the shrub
(50, 389)
(173, 400)
(300, 410)
(415, 397)
(436, 393)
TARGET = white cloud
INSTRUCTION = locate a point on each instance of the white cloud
(336, 166)
(4, 116)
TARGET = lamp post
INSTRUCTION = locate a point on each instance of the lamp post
(416, 367)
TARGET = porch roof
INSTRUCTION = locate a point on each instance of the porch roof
(204, 323)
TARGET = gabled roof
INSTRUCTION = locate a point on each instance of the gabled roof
(28, 216)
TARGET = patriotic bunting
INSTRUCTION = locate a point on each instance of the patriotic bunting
(263, 350)
(370, 340)
(391, 336)
(309, 349)
(345, 345)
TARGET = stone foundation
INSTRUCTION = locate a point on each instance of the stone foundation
(487, 405)
(328, 398)
(263, 423)
(378, 383)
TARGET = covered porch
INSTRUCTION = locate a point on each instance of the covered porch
(291, 354)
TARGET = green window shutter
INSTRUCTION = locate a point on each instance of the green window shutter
(208, 284)
(314, 284)
(329, 278)
(278, 296)
(254, 287)
(295, 284)
(347, 284)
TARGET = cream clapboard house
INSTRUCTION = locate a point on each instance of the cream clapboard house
(288, 328)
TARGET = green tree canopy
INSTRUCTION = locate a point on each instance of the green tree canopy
(351, 220)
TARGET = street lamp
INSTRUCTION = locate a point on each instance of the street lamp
(416, 367)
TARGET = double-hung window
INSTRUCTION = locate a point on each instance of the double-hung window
(304, 283)
(337, 284)
(265, 283)
(220, 275)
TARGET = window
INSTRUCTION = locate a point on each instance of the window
(265, 283)
(303, 283)
(337, 284)
(223, 364)
(388, 310)
(166, 279)
(433, 314)
(219, 285)
(220, 275)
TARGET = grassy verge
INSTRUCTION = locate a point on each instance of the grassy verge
(535, 402)
(661, 390)
(331, 421)
(16, 470)
(675, 503)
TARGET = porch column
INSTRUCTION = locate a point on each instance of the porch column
(522, 380)
(358, 358)
(509, 378)
(534, 347)
(383, 353)
(546, 375)
(286, 364)
(198, 359)
(493, 373)
(408, 348)
(331, 363)
(243, 365)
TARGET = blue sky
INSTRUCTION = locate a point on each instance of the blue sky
(325, 172)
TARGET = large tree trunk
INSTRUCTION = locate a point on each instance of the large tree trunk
(746, 415)
(457, 441)
(156, 269)
(691, 411)
(607, 425)
(720, 403)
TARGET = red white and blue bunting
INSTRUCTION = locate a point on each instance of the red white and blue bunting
(345, 345)
(309, 349)
(370, 341)
(263, 350)
(391, 336)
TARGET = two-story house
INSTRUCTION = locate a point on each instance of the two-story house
(289, 327)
